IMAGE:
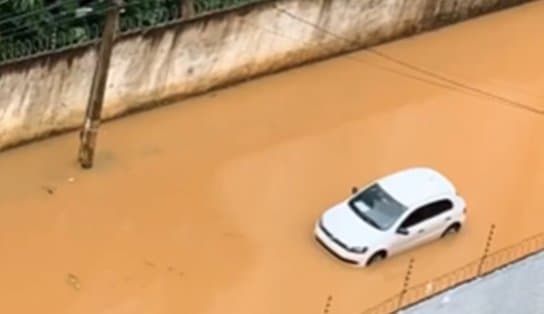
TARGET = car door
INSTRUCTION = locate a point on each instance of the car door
(439, 217)
(414, 225)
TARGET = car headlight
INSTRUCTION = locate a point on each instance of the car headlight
(358, 249)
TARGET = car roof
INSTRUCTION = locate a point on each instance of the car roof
(415, 185)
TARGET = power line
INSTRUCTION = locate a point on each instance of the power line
(416, 68)
(27, 40)
(55, 21)
(456, 83)
(56, 24)
(63, 18)
(361, 61)
(36, 11)
(457, 86)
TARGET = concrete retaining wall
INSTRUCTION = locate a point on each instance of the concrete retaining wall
(48, 94)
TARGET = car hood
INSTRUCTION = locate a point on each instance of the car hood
(349, 228)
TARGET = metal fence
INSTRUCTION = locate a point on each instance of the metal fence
(480, 267)
(60, 33)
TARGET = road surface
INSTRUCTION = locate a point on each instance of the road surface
(517, 288)
(207, 206)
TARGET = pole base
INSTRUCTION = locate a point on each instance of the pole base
(86, 149)
(85, 158)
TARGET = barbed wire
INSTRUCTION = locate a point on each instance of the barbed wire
(60, 30)
(56, 19)
(57, 24)
(65, 18)
(202, 6)
(147, 19)
(23, 41)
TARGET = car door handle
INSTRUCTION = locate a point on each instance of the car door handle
(420, 230)
(448, 218)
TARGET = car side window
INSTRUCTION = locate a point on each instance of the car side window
(426, 212)
(438, 207)
(414, 218)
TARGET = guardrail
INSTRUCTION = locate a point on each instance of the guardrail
(487, 264)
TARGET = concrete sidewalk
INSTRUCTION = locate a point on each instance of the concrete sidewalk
(518, 288)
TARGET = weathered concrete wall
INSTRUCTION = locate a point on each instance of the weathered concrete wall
(48, 94)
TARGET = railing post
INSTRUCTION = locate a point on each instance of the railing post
(96, 98)
(406, 282)
(486, 249)
(327, 307)
(187, 8)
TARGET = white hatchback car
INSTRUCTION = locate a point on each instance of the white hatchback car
(390, 215)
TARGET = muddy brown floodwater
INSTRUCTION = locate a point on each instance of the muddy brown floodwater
(207, 206)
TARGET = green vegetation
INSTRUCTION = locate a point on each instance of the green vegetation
(29, 27)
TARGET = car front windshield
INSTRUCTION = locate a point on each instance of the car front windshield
(375, 206)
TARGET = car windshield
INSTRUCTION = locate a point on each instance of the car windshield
(375, 206)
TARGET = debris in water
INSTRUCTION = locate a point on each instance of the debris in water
(73, 281)
(150, 264)
(48, 189)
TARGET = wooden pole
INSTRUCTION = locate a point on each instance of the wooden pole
(187, 9)
(96, 98)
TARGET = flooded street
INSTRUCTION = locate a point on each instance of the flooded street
(207, 206)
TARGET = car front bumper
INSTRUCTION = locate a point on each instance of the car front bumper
(335, 249)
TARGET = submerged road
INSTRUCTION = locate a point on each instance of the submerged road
(207, 206)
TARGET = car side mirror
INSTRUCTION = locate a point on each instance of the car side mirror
(354, 190)
(402, 231)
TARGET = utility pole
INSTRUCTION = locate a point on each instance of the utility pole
(187, 9)
(96, 98)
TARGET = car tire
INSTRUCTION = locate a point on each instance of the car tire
(378, 256)
(453, 228)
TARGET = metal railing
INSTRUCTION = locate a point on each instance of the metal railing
(475, 269)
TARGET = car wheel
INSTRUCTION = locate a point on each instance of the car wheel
(451, 229)
(378, 256)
